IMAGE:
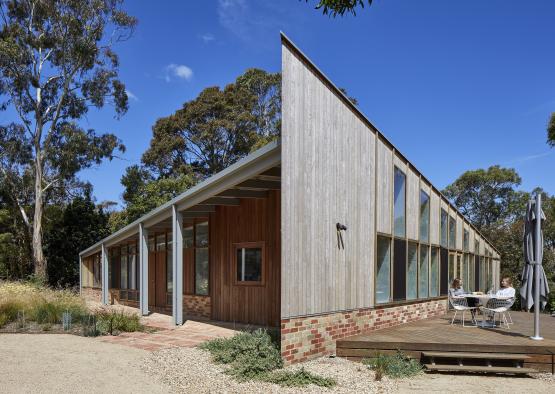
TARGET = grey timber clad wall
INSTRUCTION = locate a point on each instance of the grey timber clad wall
(328, 175)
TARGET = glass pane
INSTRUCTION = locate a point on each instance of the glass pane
(451, 270)
(434, 273)
(423, 265)
(151, 244)
(169, 264)
(123, 281)
(452, 232)
(188, 236)
(412, 271)
(383, 267)
(465, 241)
(399, 203)
(443, 228)
(161, 242)
(201, 271)
(424, 216)
(133, 271)
(471, 277)
(201, 234)
(249, 264)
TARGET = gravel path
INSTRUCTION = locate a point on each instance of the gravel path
(190, 370)
(60, 363)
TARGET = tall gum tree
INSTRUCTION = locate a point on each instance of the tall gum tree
(56, 62)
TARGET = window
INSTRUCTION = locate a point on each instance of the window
(188, 236)
(249, 263)
(133, 272)
(412, 271)
(201, 258)
(169, 262)
(123, 267)
(97, 271)
(451, 269)
(399, 203)
(423, 273)
(424, 216)
(444, 217)
(452, 232)
(471, 277)
(399, 269)
(383, 270)
(434, 272)
(466, 247)
(465, 272)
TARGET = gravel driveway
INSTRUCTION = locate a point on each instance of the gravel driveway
(59, 363)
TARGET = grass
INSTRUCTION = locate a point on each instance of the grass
(254, 356)
(394, 366)
(46, 307)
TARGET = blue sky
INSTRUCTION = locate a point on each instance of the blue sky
(454, 85)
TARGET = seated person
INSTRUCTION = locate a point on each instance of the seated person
(507, 289)
(458, 290)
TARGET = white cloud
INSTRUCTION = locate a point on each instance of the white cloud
(131, 96)
(524, 159)
(207, 37)
(178, 70)
(232, 15)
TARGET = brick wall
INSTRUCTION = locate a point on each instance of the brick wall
(304, 338)
(91, 294)
(195, 305)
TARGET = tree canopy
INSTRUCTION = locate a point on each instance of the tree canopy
(56, 62)
(551, 130)
(340, 7)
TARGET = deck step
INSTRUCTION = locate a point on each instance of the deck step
(481, 356)
(478, 368)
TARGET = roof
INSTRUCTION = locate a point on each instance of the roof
(256, 162)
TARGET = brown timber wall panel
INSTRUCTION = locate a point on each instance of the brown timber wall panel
(252, 221)
(328, 166)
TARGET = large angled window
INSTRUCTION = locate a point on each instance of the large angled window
(444, 231)
(383, 270)
(424, 216)
(399, 203)
(452, 232)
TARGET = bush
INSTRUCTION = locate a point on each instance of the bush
(299, 378)
(250, 354)
(255, 356)
(398, 365)
(112, 322)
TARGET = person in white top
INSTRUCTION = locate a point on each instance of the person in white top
(507, 289)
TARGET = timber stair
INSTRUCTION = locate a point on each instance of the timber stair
(503, 363)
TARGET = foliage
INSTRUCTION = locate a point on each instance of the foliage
(38, 303)
(398, 365)
(112, 322)
(249, 354)
(56, 62)
(551, 131)
(340, 7)
(255, 356)
(76, 227)
(488, 197)
(298, 378)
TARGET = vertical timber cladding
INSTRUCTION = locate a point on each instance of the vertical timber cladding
(254, 220)
(328, 167)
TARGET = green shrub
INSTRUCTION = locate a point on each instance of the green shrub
(112, 322)
(4, 319)
(9, 310)
(398, 365)
(299, 378)
(249, 354)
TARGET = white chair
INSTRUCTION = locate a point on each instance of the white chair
(460, 304)
(498, 306)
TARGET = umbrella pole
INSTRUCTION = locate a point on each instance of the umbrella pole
(537, 263)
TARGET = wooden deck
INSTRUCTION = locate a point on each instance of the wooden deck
(438, 335)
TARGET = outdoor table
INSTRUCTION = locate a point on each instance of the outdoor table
(483, 300)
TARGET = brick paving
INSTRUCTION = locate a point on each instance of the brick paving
(190, 334)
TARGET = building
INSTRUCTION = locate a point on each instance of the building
(326, 234)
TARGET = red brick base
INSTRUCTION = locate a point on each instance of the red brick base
(304, 338)
(91, 294)
(195, 305)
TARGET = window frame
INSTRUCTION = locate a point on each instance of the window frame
(249, 245)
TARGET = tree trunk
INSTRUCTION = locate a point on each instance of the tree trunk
(38, 255)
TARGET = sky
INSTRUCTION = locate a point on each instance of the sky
(453, 85)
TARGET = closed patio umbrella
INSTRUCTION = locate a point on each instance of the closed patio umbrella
(534, 288)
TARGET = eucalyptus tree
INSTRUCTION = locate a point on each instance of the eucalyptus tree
(551, 130)
(340, 7)
(56, 62)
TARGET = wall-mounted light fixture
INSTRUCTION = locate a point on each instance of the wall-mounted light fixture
(340, 227)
